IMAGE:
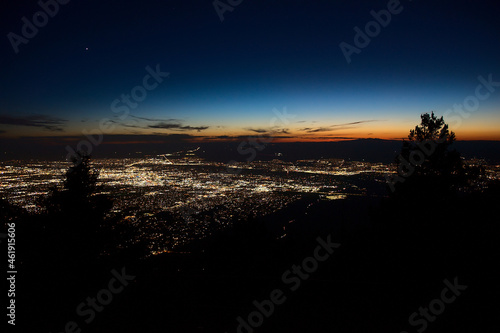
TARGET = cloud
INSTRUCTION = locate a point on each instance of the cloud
(156, 123)
(355, 122)
(315, 130)
(269, 132)
(336, 127)
(155, 119)
(329, 138)
(46, 122)
(141, 122)
(257, 130)
(191, 128)
(125, 124)
(345, 125)
(164, 125)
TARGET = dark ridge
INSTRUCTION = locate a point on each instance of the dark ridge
(370, 150)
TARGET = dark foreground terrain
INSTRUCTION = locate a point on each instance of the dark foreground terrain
(390, 266)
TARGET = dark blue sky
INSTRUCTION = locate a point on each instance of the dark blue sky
(227, 77)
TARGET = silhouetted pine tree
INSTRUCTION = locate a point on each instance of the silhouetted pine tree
(431, 167)
(433, 212)
(74, 216)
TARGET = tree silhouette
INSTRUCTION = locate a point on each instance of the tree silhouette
(427, 161)
(431, 128)
(65, 246)
(80, 218)
(74, 216)
(424, 224)
(80, 182)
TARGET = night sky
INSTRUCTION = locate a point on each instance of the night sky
(226, 77)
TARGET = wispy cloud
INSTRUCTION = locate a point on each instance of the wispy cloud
(155, 119)
(193, 128)
(164, 125)
(179, 127)
(353, 123)
(329, 138)
(270, 132)
(42, 121)
(316, 130)
(257, 130)
(337, 127)
(157, 123)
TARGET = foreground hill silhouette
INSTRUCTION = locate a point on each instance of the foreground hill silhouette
(66, 248)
